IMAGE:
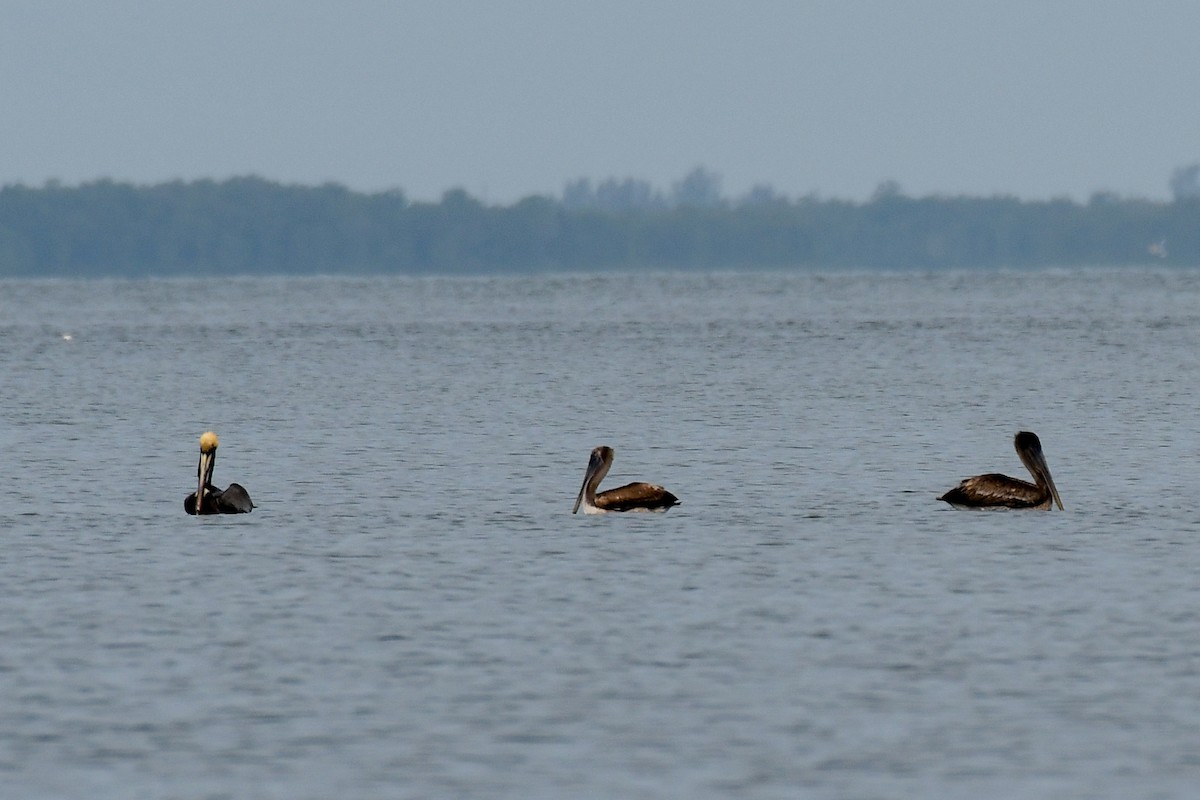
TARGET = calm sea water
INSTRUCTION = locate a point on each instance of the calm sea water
(413, 612)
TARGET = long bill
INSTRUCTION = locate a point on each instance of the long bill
(590, 478)
(1054, 490)
(587, 476)
(1041, 472)
(204, 471)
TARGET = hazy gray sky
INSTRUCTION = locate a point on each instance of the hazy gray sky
(1032, 98)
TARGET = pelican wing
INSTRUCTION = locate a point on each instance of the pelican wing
(996, 491)
(234, 500)
(636, 497)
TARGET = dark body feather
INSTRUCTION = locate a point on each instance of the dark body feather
(636, 497)
(234, 500)
(997, 491)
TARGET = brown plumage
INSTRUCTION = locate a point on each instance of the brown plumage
(1000, 491)
(630, 497)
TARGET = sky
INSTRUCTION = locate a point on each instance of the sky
(508, 98)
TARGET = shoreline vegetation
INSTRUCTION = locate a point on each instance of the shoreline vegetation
(252, 226)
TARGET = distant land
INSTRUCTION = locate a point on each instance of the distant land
(251, 226)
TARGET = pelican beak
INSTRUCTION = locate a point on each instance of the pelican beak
(594, 463)
(1044, 470)
(204, 472)
(582, 489)
(1054, 491)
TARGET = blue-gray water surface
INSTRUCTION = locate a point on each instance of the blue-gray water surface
(412, 611)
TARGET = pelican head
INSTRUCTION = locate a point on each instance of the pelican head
(1029, 448)
(204, 470)
(597, 468)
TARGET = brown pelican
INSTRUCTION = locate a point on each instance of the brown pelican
(234, 500)
(630, 497)
(1001, 491)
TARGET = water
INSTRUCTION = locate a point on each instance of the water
(412, 611)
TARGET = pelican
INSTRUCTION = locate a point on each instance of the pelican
(234, 500)
(1001, 491)
(630, 497)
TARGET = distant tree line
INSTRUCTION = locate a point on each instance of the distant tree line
(253, 226)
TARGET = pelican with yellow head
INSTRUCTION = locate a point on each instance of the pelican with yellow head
(208, 499)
